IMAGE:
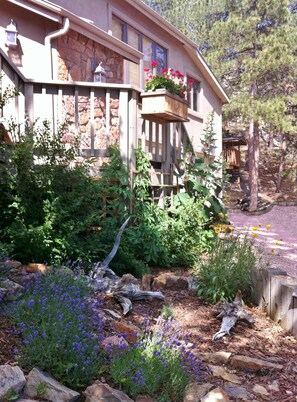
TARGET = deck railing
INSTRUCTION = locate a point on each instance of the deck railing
(100, 114)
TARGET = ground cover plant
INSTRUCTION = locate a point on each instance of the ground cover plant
(60, 333)
(159, 364)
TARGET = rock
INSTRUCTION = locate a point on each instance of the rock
(218, 371)
(147, 281)
(114, 344)
(215, 357)
(246, 362)
(99, 392)
(54, 391)
(194, 392)
(11, 377)
(129, 331)
(238, 393)
(259, 389)
(36, 268)
(12, 265)
(112, 313)
(216, 395)
(169, 281)
(10, 290)
(274, 386)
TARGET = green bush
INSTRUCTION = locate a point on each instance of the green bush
(226, 270)
(158, 365)
(46, 207)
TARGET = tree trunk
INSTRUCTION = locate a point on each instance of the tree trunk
(253, 156)
(281, 165)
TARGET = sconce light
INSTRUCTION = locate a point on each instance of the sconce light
(99, 74)
(11, 34)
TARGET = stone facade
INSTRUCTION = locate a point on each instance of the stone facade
(76, 53)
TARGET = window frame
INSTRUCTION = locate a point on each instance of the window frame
(199, 94)
(141, 35)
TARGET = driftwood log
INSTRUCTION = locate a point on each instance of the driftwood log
(230, 314)
(125, 290)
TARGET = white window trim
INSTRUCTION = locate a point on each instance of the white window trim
(198, 78)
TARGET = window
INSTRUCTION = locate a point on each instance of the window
(152, 51)
(195, 95)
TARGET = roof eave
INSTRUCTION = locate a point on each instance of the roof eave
(54, 13)
(189, 45)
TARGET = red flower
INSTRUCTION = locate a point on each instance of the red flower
(154, 64)
(191, 81)
(165, 71)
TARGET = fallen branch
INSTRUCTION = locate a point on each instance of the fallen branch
(125, 290)
(230, 314)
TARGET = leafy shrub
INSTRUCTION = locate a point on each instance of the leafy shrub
(158, 365)
(226, 270)
(187, 236)
(46, 207)
(58, 335)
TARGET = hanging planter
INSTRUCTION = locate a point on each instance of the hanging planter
(161, 105)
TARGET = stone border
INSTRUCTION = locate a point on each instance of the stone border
(275, 292)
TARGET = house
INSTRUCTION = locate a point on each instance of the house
(83, 62)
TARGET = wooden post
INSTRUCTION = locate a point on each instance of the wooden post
(124, 124)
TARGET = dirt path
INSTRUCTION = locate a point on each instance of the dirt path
(279, 240)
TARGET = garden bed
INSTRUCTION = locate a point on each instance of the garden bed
(266, 340)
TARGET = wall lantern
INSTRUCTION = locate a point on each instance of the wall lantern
(100, 74)
(11, 34)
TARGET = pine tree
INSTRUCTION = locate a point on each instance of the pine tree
(253, 52)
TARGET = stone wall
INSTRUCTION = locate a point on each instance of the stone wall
(76, 53)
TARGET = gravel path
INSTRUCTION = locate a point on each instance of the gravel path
(279, 240)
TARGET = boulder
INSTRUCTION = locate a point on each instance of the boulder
(114, 344)
(216, 395)
(194, 392)
(11, 378)
(169, 281)
(10, 290)
(252, 363)
(54, 391)
(100, 392)
(129, 331)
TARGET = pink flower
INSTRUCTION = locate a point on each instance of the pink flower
(146, 70)
(165, 71)
(191, 81)
(154, 64)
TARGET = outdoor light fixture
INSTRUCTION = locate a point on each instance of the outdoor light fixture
(99, 74)
(11, 34)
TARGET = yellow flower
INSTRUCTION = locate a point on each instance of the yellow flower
(226, 215)
(255, 228)
(255, 234)
(268, 227)
(277, 242)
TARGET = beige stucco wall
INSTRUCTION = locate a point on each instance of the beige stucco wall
(34, 58)
(101, 11)
(30, 56)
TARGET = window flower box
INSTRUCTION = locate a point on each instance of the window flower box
(161, 105)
